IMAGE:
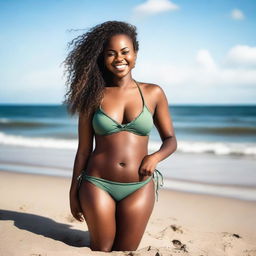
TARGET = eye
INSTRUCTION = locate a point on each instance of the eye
(112, 53)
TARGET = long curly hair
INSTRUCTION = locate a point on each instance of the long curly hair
(87, 75)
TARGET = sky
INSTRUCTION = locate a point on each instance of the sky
(199, 52)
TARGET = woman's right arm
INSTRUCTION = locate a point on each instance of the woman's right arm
(85, 147)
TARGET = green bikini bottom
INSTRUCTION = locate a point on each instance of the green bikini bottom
(120, 190)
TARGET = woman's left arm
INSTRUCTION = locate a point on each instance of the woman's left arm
(163, 122)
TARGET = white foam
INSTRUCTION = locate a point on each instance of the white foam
(38, 142)
(217, 148)
(5, 120)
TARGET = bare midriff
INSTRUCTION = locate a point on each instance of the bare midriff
(118, 156)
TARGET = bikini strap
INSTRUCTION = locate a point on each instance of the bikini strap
(140, 93)
(159, 183)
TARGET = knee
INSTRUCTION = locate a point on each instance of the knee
(125, 248)
(101, 248)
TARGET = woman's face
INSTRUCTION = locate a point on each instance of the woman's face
(119, 55)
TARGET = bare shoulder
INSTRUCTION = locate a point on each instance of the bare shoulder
(153, 91)
(152, 88)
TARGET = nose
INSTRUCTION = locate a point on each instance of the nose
(119, 57)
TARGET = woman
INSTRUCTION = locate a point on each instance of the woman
(112, 185)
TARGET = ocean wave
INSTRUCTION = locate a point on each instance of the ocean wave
(4, 120)
(9, 123)
(38, 142)
(217, 148)
(228, 131)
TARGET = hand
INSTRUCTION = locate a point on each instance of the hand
(75, 207)
(148, 165)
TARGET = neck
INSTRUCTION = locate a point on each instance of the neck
(126, 81)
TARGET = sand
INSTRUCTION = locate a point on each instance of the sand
(35, 220)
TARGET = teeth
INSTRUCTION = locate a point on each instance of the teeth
(120, 66)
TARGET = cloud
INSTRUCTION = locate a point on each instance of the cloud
(237, 14)
(151, 7)
(205, 60)
(204, 74)
(241, 55)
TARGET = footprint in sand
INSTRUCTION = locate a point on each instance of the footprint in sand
(236, 235)
(177, 229)
(231, 236)
(169, 232)
(230, 240)
(179, 245)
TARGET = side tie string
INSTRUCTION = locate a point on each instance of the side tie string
(159, 181)
(79, 178)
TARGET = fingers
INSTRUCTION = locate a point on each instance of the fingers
(77, 214)
(80, 216)
(76, 209)
(146, 173)
(80, 213)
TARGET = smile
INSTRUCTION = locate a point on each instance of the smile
(120, 67)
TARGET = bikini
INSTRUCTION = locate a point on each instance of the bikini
(103, 124)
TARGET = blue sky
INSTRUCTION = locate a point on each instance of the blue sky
(199, 52)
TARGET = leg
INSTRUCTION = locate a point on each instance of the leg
(99, 212)
(132, 215)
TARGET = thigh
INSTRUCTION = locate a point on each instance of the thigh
(99, 212)
(132, 215)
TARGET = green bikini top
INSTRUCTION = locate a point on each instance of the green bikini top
(141, 125)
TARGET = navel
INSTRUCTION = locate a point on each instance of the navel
(122, 164)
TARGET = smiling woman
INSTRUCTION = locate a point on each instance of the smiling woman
(113, 186)
(120, 59)
(119, 55)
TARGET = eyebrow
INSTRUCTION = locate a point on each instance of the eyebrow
(114, 50)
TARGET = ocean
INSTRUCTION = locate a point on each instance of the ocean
(203, 131)
(214, 129)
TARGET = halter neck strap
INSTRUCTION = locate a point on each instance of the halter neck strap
(140, 92)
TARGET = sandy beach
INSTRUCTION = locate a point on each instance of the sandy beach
(35, 220)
